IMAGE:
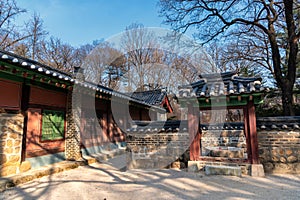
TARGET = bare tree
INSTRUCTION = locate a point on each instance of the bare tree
(138, 43)
(35, 30)
(81, 53)
(21, 49)
(274, 24)
(159, 59)
(57, 54)
(231, 57)
(103, 64)
(9, 34)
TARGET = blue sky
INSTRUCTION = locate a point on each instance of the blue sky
(80, 22)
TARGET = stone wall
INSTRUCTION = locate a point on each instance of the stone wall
(279, 144)
(155, 146)
(11, 135)
(231, 140)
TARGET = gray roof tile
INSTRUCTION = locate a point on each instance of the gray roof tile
(217, 84)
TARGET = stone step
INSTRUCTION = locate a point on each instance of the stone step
(223, 170)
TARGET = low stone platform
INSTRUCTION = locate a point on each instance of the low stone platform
(223, 170)
(108, 157)
(246, 168)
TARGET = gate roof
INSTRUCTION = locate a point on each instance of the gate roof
(223, 89)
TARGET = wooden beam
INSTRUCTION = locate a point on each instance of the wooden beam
(253, 132)
(194, 135)
(247, 134)
(24, 107)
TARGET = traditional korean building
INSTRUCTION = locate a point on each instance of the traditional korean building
(42, 122)
(47, 116)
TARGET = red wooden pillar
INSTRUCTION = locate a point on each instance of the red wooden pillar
(247, 135)
(252, 133)
(194, 135)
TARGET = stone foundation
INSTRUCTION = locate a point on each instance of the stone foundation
(198, 166)
(11, 136)
(279, 144)
(279, 151)
(223, 170)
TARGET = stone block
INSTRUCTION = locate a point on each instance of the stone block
(281, 152)
(4, 129)
(193, 166)
(16, 180)
(223, 170)
(9, 143)
(14, 159)
(297, 168)
(8, 170)
(275, 158)
(25, 166)
(17, 150)
(282, 159)
(19, 127)
(257, 170)
(292, 159)
(288, 152)
(3, 159)
(14, 136)
(281, 168)
(140, 164)
(268, 167)
(245, 169)
(8, 151)
(175, 165)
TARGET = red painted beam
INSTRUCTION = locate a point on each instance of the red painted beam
(194, 135)
(253, 133)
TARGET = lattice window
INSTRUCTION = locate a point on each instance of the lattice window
(53, 125)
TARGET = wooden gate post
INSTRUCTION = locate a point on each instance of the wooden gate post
(252, 133)
(194, 135)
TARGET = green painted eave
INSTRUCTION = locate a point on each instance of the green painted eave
(222, 101)
(21, 74)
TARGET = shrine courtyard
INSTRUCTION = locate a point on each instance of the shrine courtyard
(108, 180)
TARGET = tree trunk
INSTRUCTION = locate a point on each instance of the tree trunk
(287, 100)
(293, 39)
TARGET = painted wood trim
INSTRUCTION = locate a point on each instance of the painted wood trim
(10, 94)
(47, 97)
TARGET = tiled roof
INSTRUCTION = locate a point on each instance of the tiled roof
(153, 97)
(180, 126)
(156, 97)
(278, 123)
(47, 73)
(220, 84)
(262, 123)
(158, 127)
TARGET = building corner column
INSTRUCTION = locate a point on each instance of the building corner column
(73, 118)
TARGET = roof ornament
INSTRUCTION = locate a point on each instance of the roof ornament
(78, 73)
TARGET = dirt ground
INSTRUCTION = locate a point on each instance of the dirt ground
(105, 181)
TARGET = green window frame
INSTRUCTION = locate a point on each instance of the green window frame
(53, 125)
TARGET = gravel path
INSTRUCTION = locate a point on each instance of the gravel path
(103, 181)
